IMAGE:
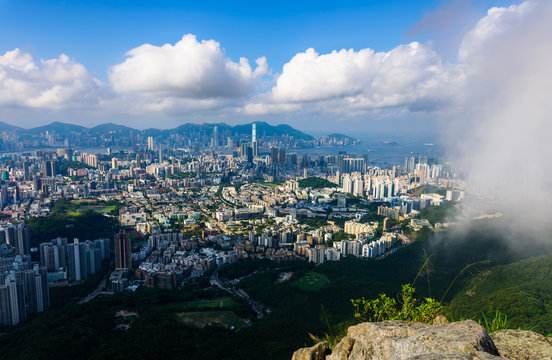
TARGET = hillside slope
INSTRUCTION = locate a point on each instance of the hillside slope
(521, 290)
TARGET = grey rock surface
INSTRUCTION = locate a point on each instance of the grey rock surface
(406, 340)
(522, 345)
(397, 340)
(316, 352)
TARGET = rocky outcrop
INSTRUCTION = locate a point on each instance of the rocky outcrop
(394, 340)
(522, 345)
(407, 340)
(316, 352)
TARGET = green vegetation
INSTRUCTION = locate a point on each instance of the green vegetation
(87, 331)
(213, 304)
(243, 268)
(75, 165)
(372, 216)
(315, 183)
(312, 281)
(342, 236)
(313, 222)
(498, 322)
(201, 319)
(521, 290)
(64, 221)
(408, 309)
(443, 213)
(75, 207)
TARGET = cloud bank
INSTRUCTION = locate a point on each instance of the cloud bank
(54, 83)
(411, 76)
(187, 74)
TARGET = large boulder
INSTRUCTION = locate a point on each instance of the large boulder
(316, 352)
(394, 340)
(522, 345)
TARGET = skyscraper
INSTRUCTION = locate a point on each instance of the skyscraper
(74, 261)
(3, 196)
(10, 236)
(282, 156)
(255, 148)
(274, 155)
(249, 155)
(411, 164)
(23, 239)
(215, 136)
(122, 250)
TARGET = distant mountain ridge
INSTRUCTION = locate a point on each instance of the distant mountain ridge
(8, 127)
(58, 127)
(67, 129)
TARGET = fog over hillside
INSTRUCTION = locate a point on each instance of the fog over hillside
(501, 136)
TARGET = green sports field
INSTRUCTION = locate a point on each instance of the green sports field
(312, 281)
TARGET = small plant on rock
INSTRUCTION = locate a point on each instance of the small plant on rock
(407, 308)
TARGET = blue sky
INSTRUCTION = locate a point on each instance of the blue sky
(98, 34)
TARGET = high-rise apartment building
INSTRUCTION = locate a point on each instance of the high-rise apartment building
(23, 290)
(123, 256)
(23, 239)
(151, 143)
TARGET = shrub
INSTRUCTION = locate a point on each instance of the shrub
(408, 308)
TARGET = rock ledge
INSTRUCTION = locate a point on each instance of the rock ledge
(400, 340)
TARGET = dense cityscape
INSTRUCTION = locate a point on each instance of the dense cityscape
(187, 208)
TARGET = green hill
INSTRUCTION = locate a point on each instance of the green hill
(521, 290)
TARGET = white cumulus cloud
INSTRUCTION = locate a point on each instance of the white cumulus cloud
(188, 69)
(492, 27)
(53, 83)
(411, 75)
